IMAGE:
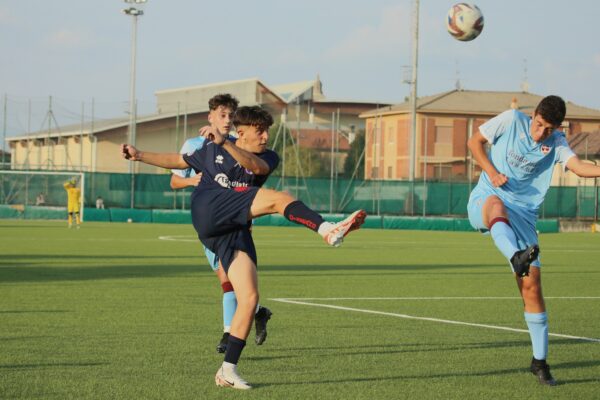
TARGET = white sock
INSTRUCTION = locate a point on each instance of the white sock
(324, 228)
(227, 366)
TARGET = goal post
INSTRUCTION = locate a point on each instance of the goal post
(39, 188)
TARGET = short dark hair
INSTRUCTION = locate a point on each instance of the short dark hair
(225, 100)
(552, 109)
(253, 116)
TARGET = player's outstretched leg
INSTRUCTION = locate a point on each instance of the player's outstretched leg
(542, 371)
(263, 315)
(269, 201)
(522, 259)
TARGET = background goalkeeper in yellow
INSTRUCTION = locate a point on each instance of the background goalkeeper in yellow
(73, 200)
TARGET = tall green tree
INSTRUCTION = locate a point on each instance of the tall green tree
(356, 149)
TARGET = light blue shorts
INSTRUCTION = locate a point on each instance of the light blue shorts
(212, 258)
(521, 220)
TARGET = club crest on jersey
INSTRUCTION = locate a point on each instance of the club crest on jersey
(219, 159)
(545, 149)
(222, 180)
(522, 136)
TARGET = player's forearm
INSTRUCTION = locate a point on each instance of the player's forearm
(164, 160)
(179, 182)
(478, 151)
(248, 160)
(586, 170)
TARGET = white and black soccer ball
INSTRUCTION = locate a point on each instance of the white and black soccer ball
(464, 21)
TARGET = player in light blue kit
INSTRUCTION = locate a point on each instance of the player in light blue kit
(516, 176)
(222, 107)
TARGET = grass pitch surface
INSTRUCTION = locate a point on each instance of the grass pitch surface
(112, 311)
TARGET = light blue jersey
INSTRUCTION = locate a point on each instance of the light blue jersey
(190, 146)
(527, 165)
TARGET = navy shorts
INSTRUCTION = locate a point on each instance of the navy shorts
(220, 217)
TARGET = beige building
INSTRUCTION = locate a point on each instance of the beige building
(94, 146)
(444, 123)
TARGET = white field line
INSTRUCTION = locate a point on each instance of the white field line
(443, 321)
(179, 238)
(438, 298)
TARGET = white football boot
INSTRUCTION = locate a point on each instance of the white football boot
(335, 236)
(227, 376)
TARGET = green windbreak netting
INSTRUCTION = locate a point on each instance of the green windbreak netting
(402, 198)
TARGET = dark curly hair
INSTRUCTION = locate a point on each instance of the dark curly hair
(225, 100)
(552, 109)
(253, 116)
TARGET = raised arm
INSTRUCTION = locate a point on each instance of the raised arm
(247, 159)
(164, 160)
(583, 169)
(477, 146)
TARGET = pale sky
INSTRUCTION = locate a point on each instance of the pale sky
(79, 50)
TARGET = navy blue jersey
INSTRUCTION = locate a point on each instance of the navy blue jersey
(220, 170)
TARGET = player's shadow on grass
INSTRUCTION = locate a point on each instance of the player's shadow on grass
(91, 273)
(400, 269)
(32, 311)
(389, 269)
(51, 365)
(46, 259)
(383, 349)
(492, 373)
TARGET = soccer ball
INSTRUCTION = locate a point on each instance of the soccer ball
(129, 220)
(464, 21)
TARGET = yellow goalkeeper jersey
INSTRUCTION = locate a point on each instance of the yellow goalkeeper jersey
(73, 197)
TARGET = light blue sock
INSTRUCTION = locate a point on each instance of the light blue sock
(538, 331)
(229, 307)
(505, 239)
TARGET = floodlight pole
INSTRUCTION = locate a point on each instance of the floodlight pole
(135, 13)
(413, 92)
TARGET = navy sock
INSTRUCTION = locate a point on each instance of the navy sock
(234, 349)
(299, 213)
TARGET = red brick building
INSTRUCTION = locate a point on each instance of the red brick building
(444, 124)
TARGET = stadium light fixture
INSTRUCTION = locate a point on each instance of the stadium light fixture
(135, 12)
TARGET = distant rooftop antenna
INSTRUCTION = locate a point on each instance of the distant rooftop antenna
(458, 84)
(525, 83)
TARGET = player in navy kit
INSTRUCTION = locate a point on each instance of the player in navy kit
(228, 197)
(220, 116)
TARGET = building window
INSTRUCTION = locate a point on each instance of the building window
(390, 135)
(390, 173)
(443, 141)
(443, 134)
(442, 172)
